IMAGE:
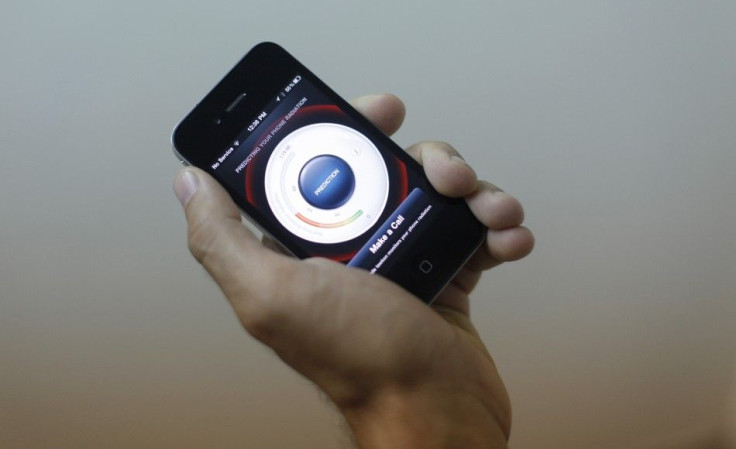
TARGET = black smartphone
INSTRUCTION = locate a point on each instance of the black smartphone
(315, 175)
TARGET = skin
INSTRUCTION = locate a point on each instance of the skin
(403, 374)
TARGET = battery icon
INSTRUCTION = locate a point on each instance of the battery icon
(296, 80)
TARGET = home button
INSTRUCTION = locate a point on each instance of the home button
(425, 266)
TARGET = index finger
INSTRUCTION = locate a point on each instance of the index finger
(386, 111)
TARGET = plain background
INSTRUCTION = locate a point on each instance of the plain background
(613, 122)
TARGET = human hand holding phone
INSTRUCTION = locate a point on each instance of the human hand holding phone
(403, 374)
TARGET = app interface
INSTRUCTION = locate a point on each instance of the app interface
(311, 171)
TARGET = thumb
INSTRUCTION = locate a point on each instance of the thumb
(244, 269)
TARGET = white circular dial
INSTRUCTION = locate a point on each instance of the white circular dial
(326, 183)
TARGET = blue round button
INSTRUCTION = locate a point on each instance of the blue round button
(326, 182)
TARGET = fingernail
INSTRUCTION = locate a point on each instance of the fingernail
(496, 189)
(186, 186)
(458, 158)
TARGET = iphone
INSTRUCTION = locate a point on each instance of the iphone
(316, 176)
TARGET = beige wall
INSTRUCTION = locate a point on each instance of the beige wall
(612, 121)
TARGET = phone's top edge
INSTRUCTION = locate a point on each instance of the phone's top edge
(266, 46)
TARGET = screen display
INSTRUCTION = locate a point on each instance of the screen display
(307, 168)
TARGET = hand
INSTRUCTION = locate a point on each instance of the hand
(403, 374)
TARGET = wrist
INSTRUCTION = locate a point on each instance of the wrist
(426, 420)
